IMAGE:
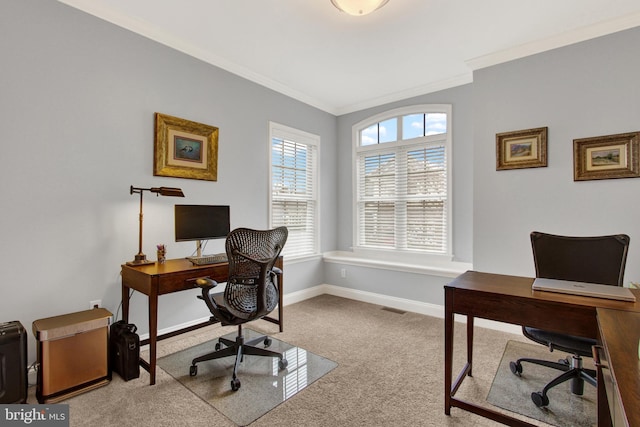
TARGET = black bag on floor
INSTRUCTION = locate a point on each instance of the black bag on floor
(13, 363)
(124, 348)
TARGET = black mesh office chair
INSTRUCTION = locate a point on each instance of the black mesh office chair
(598, 260)
(251, 293)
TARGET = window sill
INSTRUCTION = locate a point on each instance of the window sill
(436, 268)
(297, 259)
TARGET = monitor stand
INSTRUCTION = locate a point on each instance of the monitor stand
(200, 259)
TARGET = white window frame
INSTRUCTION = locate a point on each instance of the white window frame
(402, 255)
(284, 132)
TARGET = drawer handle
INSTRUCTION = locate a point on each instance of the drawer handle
(192, 280)
(595, 351)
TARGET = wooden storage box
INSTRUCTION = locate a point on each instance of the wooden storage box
(72, 354)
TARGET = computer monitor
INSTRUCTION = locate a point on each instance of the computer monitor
(201, 222)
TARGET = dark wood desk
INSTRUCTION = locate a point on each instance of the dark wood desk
(173, 276)
(619, 365)
(510, 299)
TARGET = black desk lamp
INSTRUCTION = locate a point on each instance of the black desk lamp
(140, 258)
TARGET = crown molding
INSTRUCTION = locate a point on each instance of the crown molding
(455, 81)
(565, 39)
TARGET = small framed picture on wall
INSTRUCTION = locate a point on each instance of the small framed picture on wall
(606, 157)
(185, 149)
(521, 149)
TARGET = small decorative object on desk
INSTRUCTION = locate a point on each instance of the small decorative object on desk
(162, 254)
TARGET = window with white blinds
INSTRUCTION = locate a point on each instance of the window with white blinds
(294, 181)
(403, 180)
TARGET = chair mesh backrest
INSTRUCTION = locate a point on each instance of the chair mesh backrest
(600, 259)
(251, 291)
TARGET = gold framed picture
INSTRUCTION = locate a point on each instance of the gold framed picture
(606, 157)
(185, 149)
(521, 149)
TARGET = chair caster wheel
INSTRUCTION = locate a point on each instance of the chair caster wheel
(539, 399)
(282, 364)
(516, 368)
(235, 384)
(193, 370)
(267, 342)
(218, 346)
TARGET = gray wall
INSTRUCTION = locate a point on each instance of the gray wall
(588, 89)
(77, 104)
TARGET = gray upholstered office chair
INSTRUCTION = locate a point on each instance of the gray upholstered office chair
(599, 260)
(251, 293)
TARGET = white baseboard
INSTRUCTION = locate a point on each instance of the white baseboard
(427, 309)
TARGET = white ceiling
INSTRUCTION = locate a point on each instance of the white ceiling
(309, 50)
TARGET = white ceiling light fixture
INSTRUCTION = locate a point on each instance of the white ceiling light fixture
(358, 7)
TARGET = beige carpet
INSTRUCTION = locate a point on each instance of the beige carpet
(390, 372)
(513, 392)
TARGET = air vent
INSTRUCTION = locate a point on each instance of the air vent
(394, 310)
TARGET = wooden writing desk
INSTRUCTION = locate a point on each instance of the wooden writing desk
(173, 276)
(510, 299)
(619, 365)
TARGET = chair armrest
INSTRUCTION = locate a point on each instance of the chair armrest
(206, 283)
(276, 270)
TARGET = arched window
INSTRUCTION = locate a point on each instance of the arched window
(403, 186)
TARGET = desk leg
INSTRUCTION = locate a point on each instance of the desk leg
(448, 348)
(125, 302)
(470, 344)
(604, 410)
(450, 386)
(280, 304)
(153, 334)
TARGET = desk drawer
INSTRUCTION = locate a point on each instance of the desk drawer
(549, 315)
(609, 385)
(181, 281)
(618, 417)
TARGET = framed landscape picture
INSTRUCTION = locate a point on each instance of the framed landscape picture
(185, 149)
(521, 149)
(606, 157)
